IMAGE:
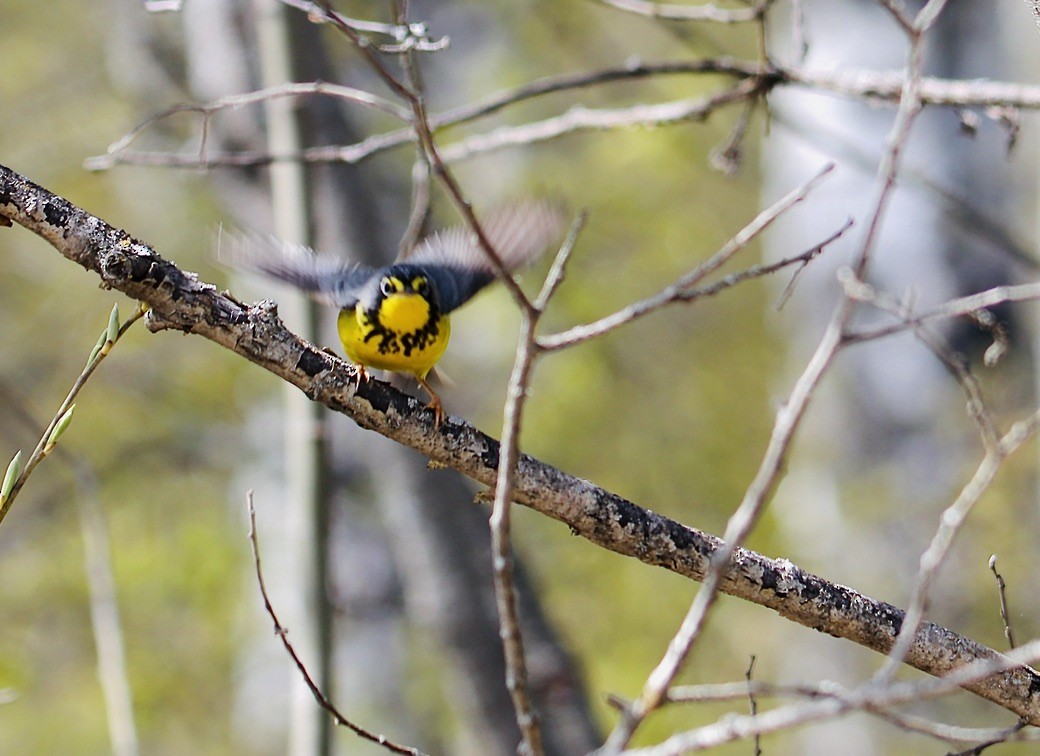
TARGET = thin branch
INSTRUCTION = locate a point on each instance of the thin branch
(851, 83)
(681, 289)
(722, 692)
(949, 526)
(726, 157)
(803, 261)
(558, 270)
(460, 115)
(788, 418)
(283, 634)
(929, 15)
(865, 698)
(1007, 735)
(580, 118)
(1005, 617)
(424, 133)
(861, 291)
(50, 434)
(405, 36)
(117, 150)
(501, 550)
(669, 12)
(954, 308)
(898, 11)
(753, 705)
(421, 195)
(509, 455)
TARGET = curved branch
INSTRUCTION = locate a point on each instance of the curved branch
(863, 84)
(180, 301)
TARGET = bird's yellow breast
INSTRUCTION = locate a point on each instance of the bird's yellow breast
(401, 335)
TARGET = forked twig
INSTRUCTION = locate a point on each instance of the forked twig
(681, 289)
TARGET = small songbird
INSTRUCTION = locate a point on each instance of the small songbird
(396, 318)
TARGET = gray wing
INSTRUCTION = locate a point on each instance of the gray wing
(325, 277)
(519, 232)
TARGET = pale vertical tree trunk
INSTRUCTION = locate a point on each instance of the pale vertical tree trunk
(422, 566)
(306, 511)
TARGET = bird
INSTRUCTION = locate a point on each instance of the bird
(397, 317)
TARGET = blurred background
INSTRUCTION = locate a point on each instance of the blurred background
(672, 412)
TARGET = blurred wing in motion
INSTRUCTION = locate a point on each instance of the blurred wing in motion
(519, 232)
(326, 278)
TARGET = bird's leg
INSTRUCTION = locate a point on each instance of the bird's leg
(363, 376)
(435, 403)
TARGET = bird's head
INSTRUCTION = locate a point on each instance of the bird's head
(401, 293)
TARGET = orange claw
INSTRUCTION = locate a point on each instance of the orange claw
(435, 404)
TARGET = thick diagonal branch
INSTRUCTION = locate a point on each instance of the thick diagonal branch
(179, 301)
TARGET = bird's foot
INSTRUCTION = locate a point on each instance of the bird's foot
(363, 376)
(438, 412)
(435, 404)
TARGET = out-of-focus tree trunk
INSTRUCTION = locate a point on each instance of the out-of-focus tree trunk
(437, 539)
(306, 494)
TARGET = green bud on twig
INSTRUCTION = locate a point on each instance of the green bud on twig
(102, 339)
(59, 428)
(14, 471)
(112, 332)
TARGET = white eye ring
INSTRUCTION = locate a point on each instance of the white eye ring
(386, 287)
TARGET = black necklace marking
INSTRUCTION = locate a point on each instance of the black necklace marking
(394, 342)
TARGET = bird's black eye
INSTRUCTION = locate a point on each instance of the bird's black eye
(420, 286)
(386, 286)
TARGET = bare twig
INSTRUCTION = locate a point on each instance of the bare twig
(958, 511)
(579, 119)
(681, 289)
(707, 12)
(405, 36)
(786, 423)
(283, 634)
(898, 12)
(753, 705)
(501, 550)
(998, 738)
(804, 260)
(726, 157)
(1002, 595)
(950, 523)
(957, 366)
(848, 82)
(421, 125)
(961, 307)
(865, 698)
(720, 692)
(118, 149)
